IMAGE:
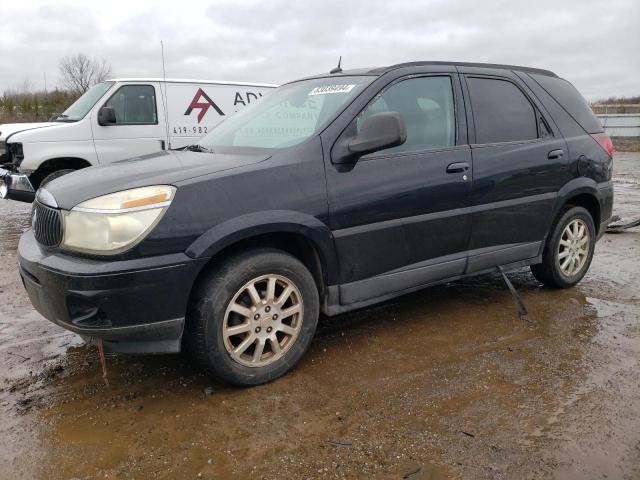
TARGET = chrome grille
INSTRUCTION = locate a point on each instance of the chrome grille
(46, 224)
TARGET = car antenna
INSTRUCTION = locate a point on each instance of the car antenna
(165, 104)
(338, 69)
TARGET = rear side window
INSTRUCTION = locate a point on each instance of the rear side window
(566, 95)
(427, 108)
(501, 112)
(134, 105)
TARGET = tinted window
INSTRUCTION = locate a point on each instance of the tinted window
(134, 105)
(426, 105)
(566, 95)
(501, 112)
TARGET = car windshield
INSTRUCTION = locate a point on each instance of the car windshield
(288, 115)
(81, 107)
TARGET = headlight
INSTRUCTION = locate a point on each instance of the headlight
(113, 223)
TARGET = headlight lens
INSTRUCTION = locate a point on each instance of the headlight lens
(114, 223)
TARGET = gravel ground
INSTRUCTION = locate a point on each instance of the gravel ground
(444, 383)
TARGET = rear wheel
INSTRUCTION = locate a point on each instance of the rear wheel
(253, 317)
(569, 249)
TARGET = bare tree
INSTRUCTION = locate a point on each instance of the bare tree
(80, 72)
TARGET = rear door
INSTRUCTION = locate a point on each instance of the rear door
(139, 127)
(399, 215)
(519, 164)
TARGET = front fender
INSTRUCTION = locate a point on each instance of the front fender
(55, 140)
(272, 221)
(37, 153)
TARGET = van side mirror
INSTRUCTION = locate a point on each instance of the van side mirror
(106, 116)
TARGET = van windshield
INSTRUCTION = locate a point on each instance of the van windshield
(81, 107)
(286, 116)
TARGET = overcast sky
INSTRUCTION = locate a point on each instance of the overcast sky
(593, 43)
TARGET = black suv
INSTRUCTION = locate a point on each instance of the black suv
(333, 193)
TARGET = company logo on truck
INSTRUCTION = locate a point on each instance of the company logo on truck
(202, 105)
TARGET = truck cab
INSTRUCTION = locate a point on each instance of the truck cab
(114, 120)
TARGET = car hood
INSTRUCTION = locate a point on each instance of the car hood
(7, 129)
(165, 168)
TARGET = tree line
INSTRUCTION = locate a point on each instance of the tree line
(616, 105)
(77, 72)
(619, 101)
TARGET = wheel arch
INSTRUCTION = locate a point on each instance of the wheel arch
(53, 164)
(590, 203)
(582, 192)
(302, 236)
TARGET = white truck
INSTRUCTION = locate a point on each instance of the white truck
(114, 120)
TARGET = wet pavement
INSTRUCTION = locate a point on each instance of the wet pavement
(444, 383)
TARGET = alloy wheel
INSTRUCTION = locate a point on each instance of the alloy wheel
(573, 249)
(263, 320)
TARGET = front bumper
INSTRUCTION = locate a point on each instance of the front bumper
(134, 306)
(15, 186)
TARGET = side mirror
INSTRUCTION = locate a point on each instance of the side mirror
(106, 116)
(379, 131)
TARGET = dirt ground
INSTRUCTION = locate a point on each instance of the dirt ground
(444, 383)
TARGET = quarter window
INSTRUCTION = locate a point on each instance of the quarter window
(134, 105)
(427, 108)
(501, 112)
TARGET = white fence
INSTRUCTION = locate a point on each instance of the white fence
(621, 124)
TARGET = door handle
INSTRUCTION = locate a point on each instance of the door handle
(457, 167)
(555, 154)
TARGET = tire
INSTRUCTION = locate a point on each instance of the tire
(557, 269)
(54, 175)
(211, 315)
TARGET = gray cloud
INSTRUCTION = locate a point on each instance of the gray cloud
(593, 45)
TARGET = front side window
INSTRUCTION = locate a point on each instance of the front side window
(134, 105)
(501, 112)
(287, 116)
(427, 108)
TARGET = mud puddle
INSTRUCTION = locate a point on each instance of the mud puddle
(444, 383)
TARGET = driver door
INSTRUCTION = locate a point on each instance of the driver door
(400, 216)
(138, 130)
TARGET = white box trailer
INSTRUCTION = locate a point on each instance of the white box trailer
(114, 120)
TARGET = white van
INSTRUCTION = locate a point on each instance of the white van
(114, 120)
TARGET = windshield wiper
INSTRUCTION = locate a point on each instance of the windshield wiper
(196, 148)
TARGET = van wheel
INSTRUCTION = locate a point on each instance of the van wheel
(253, 317)
(54, 175)
(569, 249)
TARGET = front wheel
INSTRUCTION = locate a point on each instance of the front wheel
(569, 249)
(253, 317)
